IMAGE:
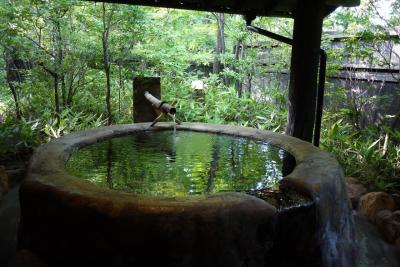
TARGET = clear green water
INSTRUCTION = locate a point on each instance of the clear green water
(180, 164)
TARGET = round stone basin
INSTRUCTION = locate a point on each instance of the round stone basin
(88, 200)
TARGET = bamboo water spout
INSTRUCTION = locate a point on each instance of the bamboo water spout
(162, 108)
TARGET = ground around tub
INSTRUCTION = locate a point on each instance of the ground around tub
(373, 250)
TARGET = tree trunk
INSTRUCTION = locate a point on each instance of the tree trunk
(220, 49)
(13, 76)
(250, 81)
(238, 54)
(16, 100)
(106, 59)
(63, 91)
(59, 60)
(70, 90)
(56, 72)
(80, 83)
(57, 100)
(121, 87)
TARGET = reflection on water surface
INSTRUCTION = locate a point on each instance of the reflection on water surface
(185, 163)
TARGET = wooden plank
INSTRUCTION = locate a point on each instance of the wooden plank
(276, 8)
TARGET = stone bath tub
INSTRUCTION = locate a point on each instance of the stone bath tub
(70, 222)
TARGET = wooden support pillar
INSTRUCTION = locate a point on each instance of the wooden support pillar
(143, 111)
(307, 32)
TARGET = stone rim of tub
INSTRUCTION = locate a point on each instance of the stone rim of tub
(47, 166)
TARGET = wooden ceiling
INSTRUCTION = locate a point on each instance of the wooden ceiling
(275, 8)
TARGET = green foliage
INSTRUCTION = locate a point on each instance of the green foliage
(70, 122)
(220, 106)
(18, 138)
(60, 42)
(362, 153)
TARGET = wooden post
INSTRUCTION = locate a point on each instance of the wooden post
(143, 111)
(307, 31)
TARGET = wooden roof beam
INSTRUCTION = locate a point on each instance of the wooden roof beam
(274, 8)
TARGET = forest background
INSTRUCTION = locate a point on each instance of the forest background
(68, 65)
